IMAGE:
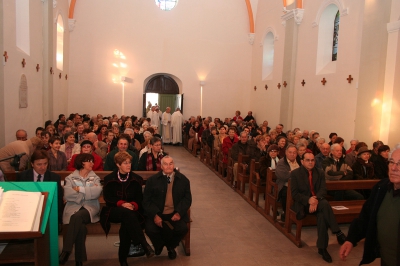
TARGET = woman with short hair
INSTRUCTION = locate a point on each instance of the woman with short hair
(70, 147)
(82, 190)
(381, 164)
(57, 158)
(151, 160)
(123, 195)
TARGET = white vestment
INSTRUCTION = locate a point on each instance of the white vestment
(155, 120)
(166, 124)
(176, 124)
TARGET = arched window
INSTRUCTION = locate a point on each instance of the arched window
(22, 25)
(268, 56)
(335, 36)
(328, 28)
(166, 4)
(60, 43)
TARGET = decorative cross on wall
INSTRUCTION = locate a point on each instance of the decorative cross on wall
(51, 70)
(23, 62)
(66, 76)
(266, 87)
(284, 84)
(349, 79)
(59, 76)
(303, 82)
(5, 56)
(323, 81)
(279, 86)
(37, 68)
(255, 88)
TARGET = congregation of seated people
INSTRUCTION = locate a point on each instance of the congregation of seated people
(83, 144)
(358, 162)
(139, 139)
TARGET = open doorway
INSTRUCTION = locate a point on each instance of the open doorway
(162, 90)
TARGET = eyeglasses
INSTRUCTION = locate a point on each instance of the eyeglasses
(89, 161)
(309, 160)
(392, 163)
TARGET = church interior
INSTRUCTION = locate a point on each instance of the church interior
(328, 65)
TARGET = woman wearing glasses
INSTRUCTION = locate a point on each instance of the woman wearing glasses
(123, 196)
(151, 160)
(81, 191)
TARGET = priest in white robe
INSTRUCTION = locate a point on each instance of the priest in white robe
(176, 124)
(150, 114)
(166, 126)
(157, 117)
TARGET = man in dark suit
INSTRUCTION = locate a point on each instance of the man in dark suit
(79, 137)
(39, 173)
(308, 189)
(166, 200)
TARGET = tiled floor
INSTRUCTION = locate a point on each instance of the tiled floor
(225, 230)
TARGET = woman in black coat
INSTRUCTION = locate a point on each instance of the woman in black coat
(269, 161)
(122, 192)
(381, 164)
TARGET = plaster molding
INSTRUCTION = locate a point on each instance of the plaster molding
(297, 14)
(393, 26)
(54, 3)
(344, 11)
(251, 38)
(71, 24)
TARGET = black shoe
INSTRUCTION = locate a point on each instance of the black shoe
(78, 263)
(325, 255)
(149, 251)
(341, 238)
(63, 258)
(158, 250)
(171, 253)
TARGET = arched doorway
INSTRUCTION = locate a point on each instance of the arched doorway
(162, 90)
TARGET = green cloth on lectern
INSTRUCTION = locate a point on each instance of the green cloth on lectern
(50, 215)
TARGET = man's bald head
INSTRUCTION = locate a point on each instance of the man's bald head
(21, 134)
(91, 137)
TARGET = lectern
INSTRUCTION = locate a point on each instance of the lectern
(41, 247)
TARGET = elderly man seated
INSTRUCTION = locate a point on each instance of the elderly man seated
(284, 167)
(336, 169)
(166, 200)
(243, 146)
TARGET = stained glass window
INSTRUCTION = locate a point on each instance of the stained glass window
(335, 37)
(166, 4)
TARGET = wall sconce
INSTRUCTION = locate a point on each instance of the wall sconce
(202, 83)
(126, 79)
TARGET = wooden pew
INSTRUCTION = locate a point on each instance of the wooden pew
(214, 159)
(95, 228)
(242, 176)
(208, 155)
(256, 186)
(271, 197)
(221, 165)
(202, 152)
(342, 216)
(229, 169)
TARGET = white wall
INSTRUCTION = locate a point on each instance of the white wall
(329, 108)
(16, 117)
(196, 41)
